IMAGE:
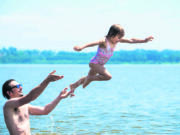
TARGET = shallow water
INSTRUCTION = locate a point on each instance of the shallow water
(139, 99)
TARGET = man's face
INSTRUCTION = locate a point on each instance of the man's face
(16, 89)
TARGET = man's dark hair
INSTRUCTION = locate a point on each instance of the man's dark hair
(6, 88)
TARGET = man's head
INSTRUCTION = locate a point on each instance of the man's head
(12, 89)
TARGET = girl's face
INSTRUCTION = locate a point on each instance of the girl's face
(116, 38)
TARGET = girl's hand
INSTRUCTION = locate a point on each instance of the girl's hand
(77, 48)
(150, 38)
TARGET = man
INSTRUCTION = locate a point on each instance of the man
(17, 108)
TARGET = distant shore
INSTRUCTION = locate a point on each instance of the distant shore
(12, 55)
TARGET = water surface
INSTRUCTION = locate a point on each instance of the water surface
(139, 99)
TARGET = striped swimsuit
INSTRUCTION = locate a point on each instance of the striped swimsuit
(102, 55)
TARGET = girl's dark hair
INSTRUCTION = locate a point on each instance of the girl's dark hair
(114, 30)
(6, 88)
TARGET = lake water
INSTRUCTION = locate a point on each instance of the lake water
(138, 100)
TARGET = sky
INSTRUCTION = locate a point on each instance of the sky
(61, 24)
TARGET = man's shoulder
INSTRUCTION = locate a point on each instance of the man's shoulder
(9, 102)
(6, 105)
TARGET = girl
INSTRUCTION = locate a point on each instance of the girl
(105, 50)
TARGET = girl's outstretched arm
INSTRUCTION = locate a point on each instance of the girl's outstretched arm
(135, 40)
(79, 48)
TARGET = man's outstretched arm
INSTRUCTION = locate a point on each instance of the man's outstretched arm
(36, 110)
(34, 93)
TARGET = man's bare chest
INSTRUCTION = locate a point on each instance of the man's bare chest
(21, 114)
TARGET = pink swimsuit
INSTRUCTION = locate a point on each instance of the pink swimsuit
(102, 55)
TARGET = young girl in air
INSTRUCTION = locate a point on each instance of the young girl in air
(105, 50)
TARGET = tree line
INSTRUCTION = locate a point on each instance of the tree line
(12, 55)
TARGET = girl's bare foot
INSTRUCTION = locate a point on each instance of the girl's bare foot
(72, 88)
(75, 85)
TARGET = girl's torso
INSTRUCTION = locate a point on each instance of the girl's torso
(103, 54)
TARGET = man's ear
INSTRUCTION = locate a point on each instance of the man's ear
(9, 93)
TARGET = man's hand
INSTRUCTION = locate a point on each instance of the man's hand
(64, 93)
(52, 77)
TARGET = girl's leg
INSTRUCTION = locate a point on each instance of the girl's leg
(103, 74)
(77, 84)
